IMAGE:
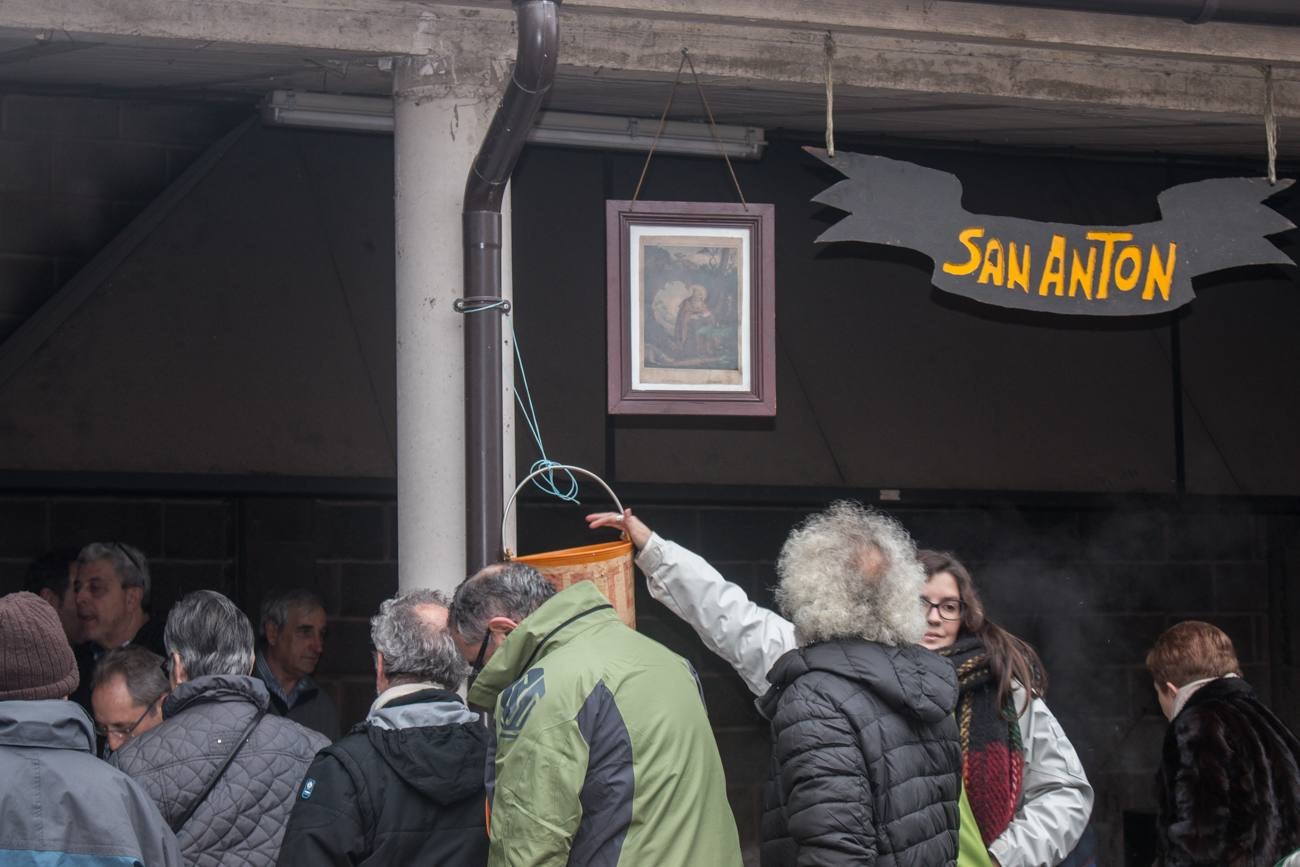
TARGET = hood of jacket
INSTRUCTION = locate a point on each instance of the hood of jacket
(216, 688)
(913, 681)
(432, 742)
(555, 623)
(52, 724)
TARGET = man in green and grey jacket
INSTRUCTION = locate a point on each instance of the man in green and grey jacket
(604, 752)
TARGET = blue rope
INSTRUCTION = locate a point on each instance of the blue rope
(545, 483)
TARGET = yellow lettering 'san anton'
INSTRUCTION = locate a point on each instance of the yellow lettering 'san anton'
(1106, 261)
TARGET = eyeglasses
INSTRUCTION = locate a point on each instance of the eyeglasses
(478, 660)
(125, 731)
(482, 651)
(126, 552)
(949, 609)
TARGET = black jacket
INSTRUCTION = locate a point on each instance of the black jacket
(403, 787)
(1229, 781)
(866, 758)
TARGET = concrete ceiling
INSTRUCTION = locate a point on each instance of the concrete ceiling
(188, 69)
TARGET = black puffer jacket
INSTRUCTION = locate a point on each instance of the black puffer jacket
(404, 787)
(242, 820)
(866, 759)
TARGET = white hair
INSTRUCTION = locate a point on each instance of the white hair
(824, 586)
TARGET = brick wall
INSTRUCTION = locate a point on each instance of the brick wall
(1090, 587)
(74, 171)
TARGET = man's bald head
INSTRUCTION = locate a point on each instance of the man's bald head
(511, 589)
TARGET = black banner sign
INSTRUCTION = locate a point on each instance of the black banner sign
(1056, 267)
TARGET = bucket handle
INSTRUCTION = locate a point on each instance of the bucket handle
(505, 513)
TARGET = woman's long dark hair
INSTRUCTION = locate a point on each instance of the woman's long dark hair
(1010, 658)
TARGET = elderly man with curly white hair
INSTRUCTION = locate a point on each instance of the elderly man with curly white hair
(866, 760)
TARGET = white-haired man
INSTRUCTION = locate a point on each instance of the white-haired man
(222, 771)
(864, 737)
(406, 787)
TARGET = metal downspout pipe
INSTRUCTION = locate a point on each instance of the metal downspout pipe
(539, 36)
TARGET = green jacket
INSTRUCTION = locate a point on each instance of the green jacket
(604, 752)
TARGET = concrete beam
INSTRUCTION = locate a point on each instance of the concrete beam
(732, 53)
(938, 47)
(984, 24)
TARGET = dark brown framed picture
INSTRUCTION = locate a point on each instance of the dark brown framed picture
(691, 316)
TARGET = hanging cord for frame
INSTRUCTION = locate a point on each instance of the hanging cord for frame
(829, 43)
(546, 481)
(1270, 125)
(713, 129)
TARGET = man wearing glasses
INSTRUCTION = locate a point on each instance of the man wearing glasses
(127, 694)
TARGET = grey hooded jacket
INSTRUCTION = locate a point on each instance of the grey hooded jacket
(61, 804)
(243, 818)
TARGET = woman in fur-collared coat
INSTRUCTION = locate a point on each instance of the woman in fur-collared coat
(1229, 779)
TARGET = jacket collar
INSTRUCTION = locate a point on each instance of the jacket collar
(304, 690)
(1210, 689)
(418, 705)
(913, 681)
(216, 688)
(53, 724)
(558, 621)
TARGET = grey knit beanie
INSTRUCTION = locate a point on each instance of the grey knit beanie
(35, 659)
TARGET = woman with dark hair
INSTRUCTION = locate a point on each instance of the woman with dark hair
(1022, 777)
(1027, 791)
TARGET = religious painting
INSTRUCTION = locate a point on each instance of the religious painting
(690, 317)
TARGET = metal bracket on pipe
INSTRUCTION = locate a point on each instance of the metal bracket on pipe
(479, 303)
(1209, 8)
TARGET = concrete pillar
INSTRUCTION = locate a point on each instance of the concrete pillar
(438, 127)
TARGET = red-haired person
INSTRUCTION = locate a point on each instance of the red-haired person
(1229, 777)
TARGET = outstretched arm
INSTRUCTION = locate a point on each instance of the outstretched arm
(747, 636)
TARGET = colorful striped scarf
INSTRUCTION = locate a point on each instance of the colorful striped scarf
(993, 760)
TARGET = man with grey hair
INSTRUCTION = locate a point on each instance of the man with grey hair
(293, 624)
(855, 704)
(112, 599)
(221, 770)
(604, 752)
(405, 786)
(112, 588)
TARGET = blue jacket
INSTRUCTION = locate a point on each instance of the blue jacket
(61, 805)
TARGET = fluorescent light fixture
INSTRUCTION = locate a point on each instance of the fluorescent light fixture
(370, 114)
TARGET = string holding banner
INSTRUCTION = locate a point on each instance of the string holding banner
(1270, 125)
(829, 45)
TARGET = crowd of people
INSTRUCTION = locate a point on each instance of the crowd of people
(907, 727)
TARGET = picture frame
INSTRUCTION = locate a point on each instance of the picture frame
(691, 314)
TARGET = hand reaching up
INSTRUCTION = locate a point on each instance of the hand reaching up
(636, 530)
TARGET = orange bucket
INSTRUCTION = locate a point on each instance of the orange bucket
(608, 565)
